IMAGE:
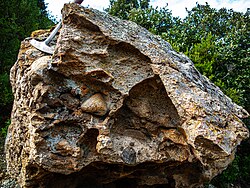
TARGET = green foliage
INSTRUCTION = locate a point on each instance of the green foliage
(238, 171)
(121, 8)
(233, 65)
(4, 130)
(6, 96)
(156, 21)
(245, 167)
(217, 41)
(204, 54)
(232, 173)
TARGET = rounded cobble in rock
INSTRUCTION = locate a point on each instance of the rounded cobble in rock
(129, 155)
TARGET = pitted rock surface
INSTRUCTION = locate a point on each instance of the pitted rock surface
(116, 106)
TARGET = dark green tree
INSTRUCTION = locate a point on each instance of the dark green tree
(121, 8)
(157, 21)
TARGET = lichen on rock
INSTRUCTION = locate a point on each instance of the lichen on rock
(116, 105)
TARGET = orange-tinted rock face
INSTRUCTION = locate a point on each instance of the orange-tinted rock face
(115, 106)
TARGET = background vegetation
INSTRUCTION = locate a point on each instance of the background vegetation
(217, 41)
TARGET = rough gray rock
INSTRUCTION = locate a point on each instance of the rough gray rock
(116, 106)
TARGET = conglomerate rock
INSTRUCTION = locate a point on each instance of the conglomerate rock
(115, 106)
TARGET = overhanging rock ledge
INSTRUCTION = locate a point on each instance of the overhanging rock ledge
(116, 106)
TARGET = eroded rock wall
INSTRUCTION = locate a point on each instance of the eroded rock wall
(116, 106)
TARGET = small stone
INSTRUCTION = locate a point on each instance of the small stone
(129, 155)
(95, 105)
(131, 143)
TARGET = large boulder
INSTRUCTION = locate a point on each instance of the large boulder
(116, 106)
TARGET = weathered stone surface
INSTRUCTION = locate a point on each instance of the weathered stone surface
(115, 106)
